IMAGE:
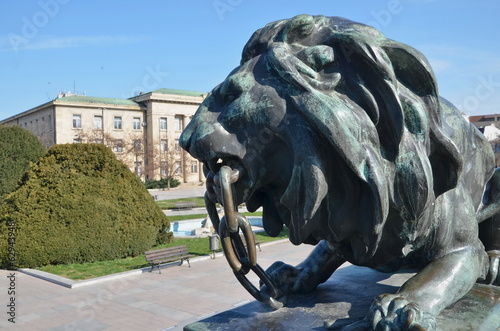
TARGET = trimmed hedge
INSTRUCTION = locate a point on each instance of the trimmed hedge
(18, 147)
(162, 183)
(79, 204)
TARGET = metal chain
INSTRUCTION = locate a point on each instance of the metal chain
(242, 259)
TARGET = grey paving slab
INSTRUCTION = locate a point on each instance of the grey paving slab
(178, 296)
(63, 308)
(184, 191)
(84, 325)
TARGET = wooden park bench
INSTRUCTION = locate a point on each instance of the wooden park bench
(170, 254)
(185, 205)
(257, 243)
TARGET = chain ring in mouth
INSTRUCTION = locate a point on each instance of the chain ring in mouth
(212, 168)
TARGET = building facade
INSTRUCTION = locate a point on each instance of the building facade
(482, 121)
(143, 131)
(489, 125)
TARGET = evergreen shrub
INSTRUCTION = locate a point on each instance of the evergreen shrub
(79, 204)
(18, 147)
(162, 183)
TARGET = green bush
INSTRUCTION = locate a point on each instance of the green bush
(162, 183)
(18, 147)
(79, 204)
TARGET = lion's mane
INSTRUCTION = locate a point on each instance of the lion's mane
(375, 101)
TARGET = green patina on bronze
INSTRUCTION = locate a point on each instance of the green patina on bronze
(339, 134)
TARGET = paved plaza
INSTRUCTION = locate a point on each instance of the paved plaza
(185, 191)
(178, 296)
(147, 301)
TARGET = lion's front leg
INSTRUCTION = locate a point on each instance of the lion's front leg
(311, 272)
(425, 295)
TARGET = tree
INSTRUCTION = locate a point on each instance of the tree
(168, 161)
(129, 149)
(79, 204)
(148, 161)
(18, 147)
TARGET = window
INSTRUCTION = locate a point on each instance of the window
(487, 119)
(178, 168)
(137, 123)
(163, 169)
(163, 123)
(118, 123)
(98, 141)
(163, 146)
(118, 146)
(137, 145)
(77, 121)
(194, 167)
(177, 146)
(98, 122)
(178, 123)
(77, 140)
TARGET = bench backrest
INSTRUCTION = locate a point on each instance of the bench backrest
(242, 236)
(166, 252)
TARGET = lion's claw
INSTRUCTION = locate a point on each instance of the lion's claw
(409, 319)
(493, 277)
(394, 312)
(389, 312)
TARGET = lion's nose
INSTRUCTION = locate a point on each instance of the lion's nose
(208, 141)
(193, 141)
(193, 138)
(204, 141)
(198, 128)
(185, 138)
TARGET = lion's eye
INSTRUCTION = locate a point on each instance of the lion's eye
(228, 98)
(230, 90)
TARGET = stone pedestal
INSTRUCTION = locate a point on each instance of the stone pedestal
(348, 295)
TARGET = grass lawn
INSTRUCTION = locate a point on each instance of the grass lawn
(175, 218)
(199, 202)
(196, 246)
(170, 204)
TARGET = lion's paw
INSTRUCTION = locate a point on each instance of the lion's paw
(283, 276)
(391, 312)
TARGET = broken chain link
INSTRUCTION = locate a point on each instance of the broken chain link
(240, 258)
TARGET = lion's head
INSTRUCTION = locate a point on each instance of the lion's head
(334, 128)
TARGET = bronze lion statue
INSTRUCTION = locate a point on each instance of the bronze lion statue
(339, 134)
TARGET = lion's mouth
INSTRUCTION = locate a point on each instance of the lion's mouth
(245, 190)
(212, 168)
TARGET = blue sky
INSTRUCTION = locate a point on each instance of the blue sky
(118, 48)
